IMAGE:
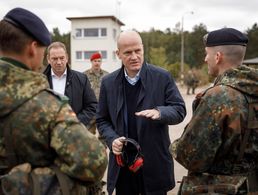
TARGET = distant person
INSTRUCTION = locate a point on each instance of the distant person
(75, 85)
(221, 138)
(191, 82)
(138, 101)
(96, 73)
(42, 142)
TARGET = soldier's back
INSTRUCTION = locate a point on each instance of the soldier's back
(43, 128)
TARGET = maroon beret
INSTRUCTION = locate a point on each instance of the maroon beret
(95, 56)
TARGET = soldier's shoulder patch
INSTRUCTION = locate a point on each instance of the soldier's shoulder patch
(59, 96)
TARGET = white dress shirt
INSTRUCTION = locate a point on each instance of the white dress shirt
(59, 82)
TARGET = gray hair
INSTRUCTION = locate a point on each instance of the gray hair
(56, 45)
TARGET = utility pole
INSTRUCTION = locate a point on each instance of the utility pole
(182, 47)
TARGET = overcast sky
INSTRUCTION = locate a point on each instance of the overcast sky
(144, 14)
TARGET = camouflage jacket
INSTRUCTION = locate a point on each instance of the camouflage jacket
(44, 128)
(95, 80)
(211, 140)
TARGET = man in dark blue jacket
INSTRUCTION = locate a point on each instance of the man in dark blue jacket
(73, 84)
(138, 101)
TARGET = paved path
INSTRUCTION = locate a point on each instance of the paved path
(175, 132)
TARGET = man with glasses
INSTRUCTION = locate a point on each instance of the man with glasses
(73, 84)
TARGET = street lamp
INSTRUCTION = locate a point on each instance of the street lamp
(182, 46)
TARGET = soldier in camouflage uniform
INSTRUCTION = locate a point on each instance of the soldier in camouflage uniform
(41, 139)
(95, 75)
(191, 82)
(212, 140)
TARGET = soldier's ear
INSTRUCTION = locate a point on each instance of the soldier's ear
(31, 48)
(219, 57)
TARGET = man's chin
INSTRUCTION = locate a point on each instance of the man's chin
(136, 66)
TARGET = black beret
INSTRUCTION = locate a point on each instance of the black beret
(225, 36)
(30, 24)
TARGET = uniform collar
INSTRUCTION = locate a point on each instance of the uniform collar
(15, 62)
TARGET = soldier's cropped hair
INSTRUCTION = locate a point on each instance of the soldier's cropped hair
(233, 54)
(56, 45)
(12, 39)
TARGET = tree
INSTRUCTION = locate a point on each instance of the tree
(173, 47)
(252, 46)
(195, 47)
(158, 57)
(152, 39)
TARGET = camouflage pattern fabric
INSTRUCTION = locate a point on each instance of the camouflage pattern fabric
(19, 181)
(95, 80)
(191, 81)
(44, 128)
(213, 184)
(211, 141)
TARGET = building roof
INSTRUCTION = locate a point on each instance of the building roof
(253, 61)
(97, 17)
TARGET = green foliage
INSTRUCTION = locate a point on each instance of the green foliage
(195, 46)
(252, 47)
(194, 52)
(170, 41)
(174, 69)
(153, 39)
(164, 49)
(173, 47)
(158, 56)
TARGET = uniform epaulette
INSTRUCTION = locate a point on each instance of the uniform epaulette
(59, 96)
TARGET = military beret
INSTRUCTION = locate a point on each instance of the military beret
(30, 24)
(95, 56)
(225, 36)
